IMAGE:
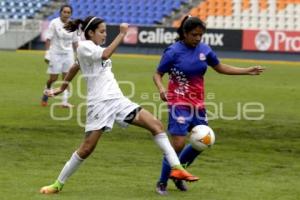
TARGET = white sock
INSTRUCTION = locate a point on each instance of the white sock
(65, 97)
(163, 142)
(70, 167)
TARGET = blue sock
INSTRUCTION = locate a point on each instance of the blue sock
(165, 171)
(188, 155)
(45, 97)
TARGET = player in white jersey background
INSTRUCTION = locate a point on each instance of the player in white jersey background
(60, 47)
(106, 103)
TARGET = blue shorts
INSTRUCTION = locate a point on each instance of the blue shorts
(183, 119)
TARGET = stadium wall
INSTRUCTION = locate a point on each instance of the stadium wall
(152, 40)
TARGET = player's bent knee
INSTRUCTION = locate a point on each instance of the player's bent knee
(157, 126)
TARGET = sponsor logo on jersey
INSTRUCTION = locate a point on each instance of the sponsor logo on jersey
(202, 56)
(181, 120)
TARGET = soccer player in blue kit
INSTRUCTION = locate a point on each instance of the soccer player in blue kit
(186, 62)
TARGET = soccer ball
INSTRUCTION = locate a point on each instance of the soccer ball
(202, 137)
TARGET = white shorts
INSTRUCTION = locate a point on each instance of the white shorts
(103, 114)
(60, 63)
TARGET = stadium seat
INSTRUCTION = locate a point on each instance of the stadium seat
(142, 12)
(20, 9)
(247, 14)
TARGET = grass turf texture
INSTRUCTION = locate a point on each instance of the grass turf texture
(250, 160)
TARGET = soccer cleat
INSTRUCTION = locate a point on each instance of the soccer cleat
(161, 188)
(52, 189)
(67, 105)
(182, 174)
(44, 101)
(180, 185)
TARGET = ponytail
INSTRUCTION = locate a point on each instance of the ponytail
(180, 29)
(90, 23)
(74, 25)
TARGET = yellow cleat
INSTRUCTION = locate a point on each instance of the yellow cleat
(48, 190)
(52, 189)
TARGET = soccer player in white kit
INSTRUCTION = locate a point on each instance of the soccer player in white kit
(60, 45)
(106, 103)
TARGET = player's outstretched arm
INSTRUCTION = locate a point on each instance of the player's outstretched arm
(68, 78)
(231, 70)
(115, 43)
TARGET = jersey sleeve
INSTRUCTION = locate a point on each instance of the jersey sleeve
(166, 61)
(91, 52)
(51, 30)
(212, 59)
(75, 37)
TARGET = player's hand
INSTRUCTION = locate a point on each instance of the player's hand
(255, 70)
(124, 28)
(163, 95)
(53, 92)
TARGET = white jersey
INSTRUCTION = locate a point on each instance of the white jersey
(61, 40)
(101, 83)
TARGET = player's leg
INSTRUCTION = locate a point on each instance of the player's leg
(54, 69)
(50, 81)
(189, 154)
(66, 94)
(178, 143)
(178, 124)
(66, 65)
(186, 157)
(146, 120)
(86, 148)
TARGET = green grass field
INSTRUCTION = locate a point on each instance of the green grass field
(252, 159)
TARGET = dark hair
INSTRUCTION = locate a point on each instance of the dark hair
(74, 25)
(66, 6)
(188, 24)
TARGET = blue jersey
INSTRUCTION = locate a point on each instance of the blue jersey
(186, 67)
